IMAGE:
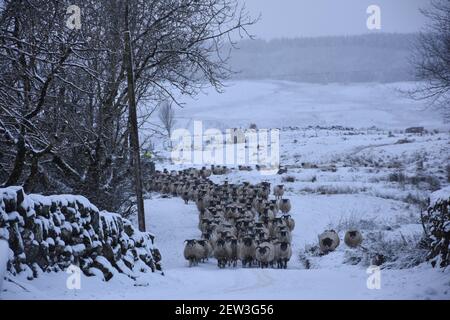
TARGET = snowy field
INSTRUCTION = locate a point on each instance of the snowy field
(366, 173)
(275, 104)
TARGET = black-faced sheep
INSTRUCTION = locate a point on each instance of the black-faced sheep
(283, 253)
(265, 254)
(353, 238)
(193, 252)
(220, 253)
(328, 241)
(290, 223)
(278, 191)
(247, 251)
(285, 205)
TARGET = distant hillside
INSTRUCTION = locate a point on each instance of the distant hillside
(364, 58)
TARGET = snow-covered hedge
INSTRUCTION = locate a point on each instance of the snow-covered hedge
(51, 233)
(437, 221)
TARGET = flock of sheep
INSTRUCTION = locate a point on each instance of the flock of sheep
(239, 222)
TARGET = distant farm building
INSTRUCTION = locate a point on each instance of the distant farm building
(415, 130)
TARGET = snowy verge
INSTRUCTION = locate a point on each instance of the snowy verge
(4, 249)
(54, 232)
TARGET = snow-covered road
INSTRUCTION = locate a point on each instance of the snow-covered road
(173, 222)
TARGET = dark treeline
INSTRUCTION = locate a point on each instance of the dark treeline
(363, 58)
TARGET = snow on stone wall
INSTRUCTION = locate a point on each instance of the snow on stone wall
(438, 223)
(50, 233)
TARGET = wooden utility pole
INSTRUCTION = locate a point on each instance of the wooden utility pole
(134, 134)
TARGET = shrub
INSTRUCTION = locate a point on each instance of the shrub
(437, 223)
(288, 179)
(390, 253)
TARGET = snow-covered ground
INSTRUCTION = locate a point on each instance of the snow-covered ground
(173, 222)
(274, 104)
(363, 188)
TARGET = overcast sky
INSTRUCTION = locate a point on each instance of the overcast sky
(309, 18)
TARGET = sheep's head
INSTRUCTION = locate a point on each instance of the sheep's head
(201, 242)
(352, 233)
(263, 250)
(248, 241)
(327, 242)
(190, 243)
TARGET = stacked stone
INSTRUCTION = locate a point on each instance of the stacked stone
(51, 233)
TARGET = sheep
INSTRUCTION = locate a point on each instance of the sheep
(265, 254)
(278, 191)
(185, 197)
(193, 252)
(247, 251)
(200, 204)
(285, 205)
(284, 235)
(290, 223)
(232, 250)
(205, 173)
(283, 253)
(275, 205)
(207, 249)
(353, 238)
(220, 253)
(328, 241)
(234, 219)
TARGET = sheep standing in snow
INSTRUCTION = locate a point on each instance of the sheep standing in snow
(290, 223)
(353, 238)
(220, 253)
(284, 235)
(207, 249)
(278, 191)
(328, 241)
(265, 254)
(193, 252)
(283, 253)
(285, 205)
(185, 197)
(247, 251)
(232, 251)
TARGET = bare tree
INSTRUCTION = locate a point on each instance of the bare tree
(64, 120)
(166, 115)
(432, 56)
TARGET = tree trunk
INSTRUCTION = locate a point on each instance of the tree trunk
(18, 163)
(134, 135)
